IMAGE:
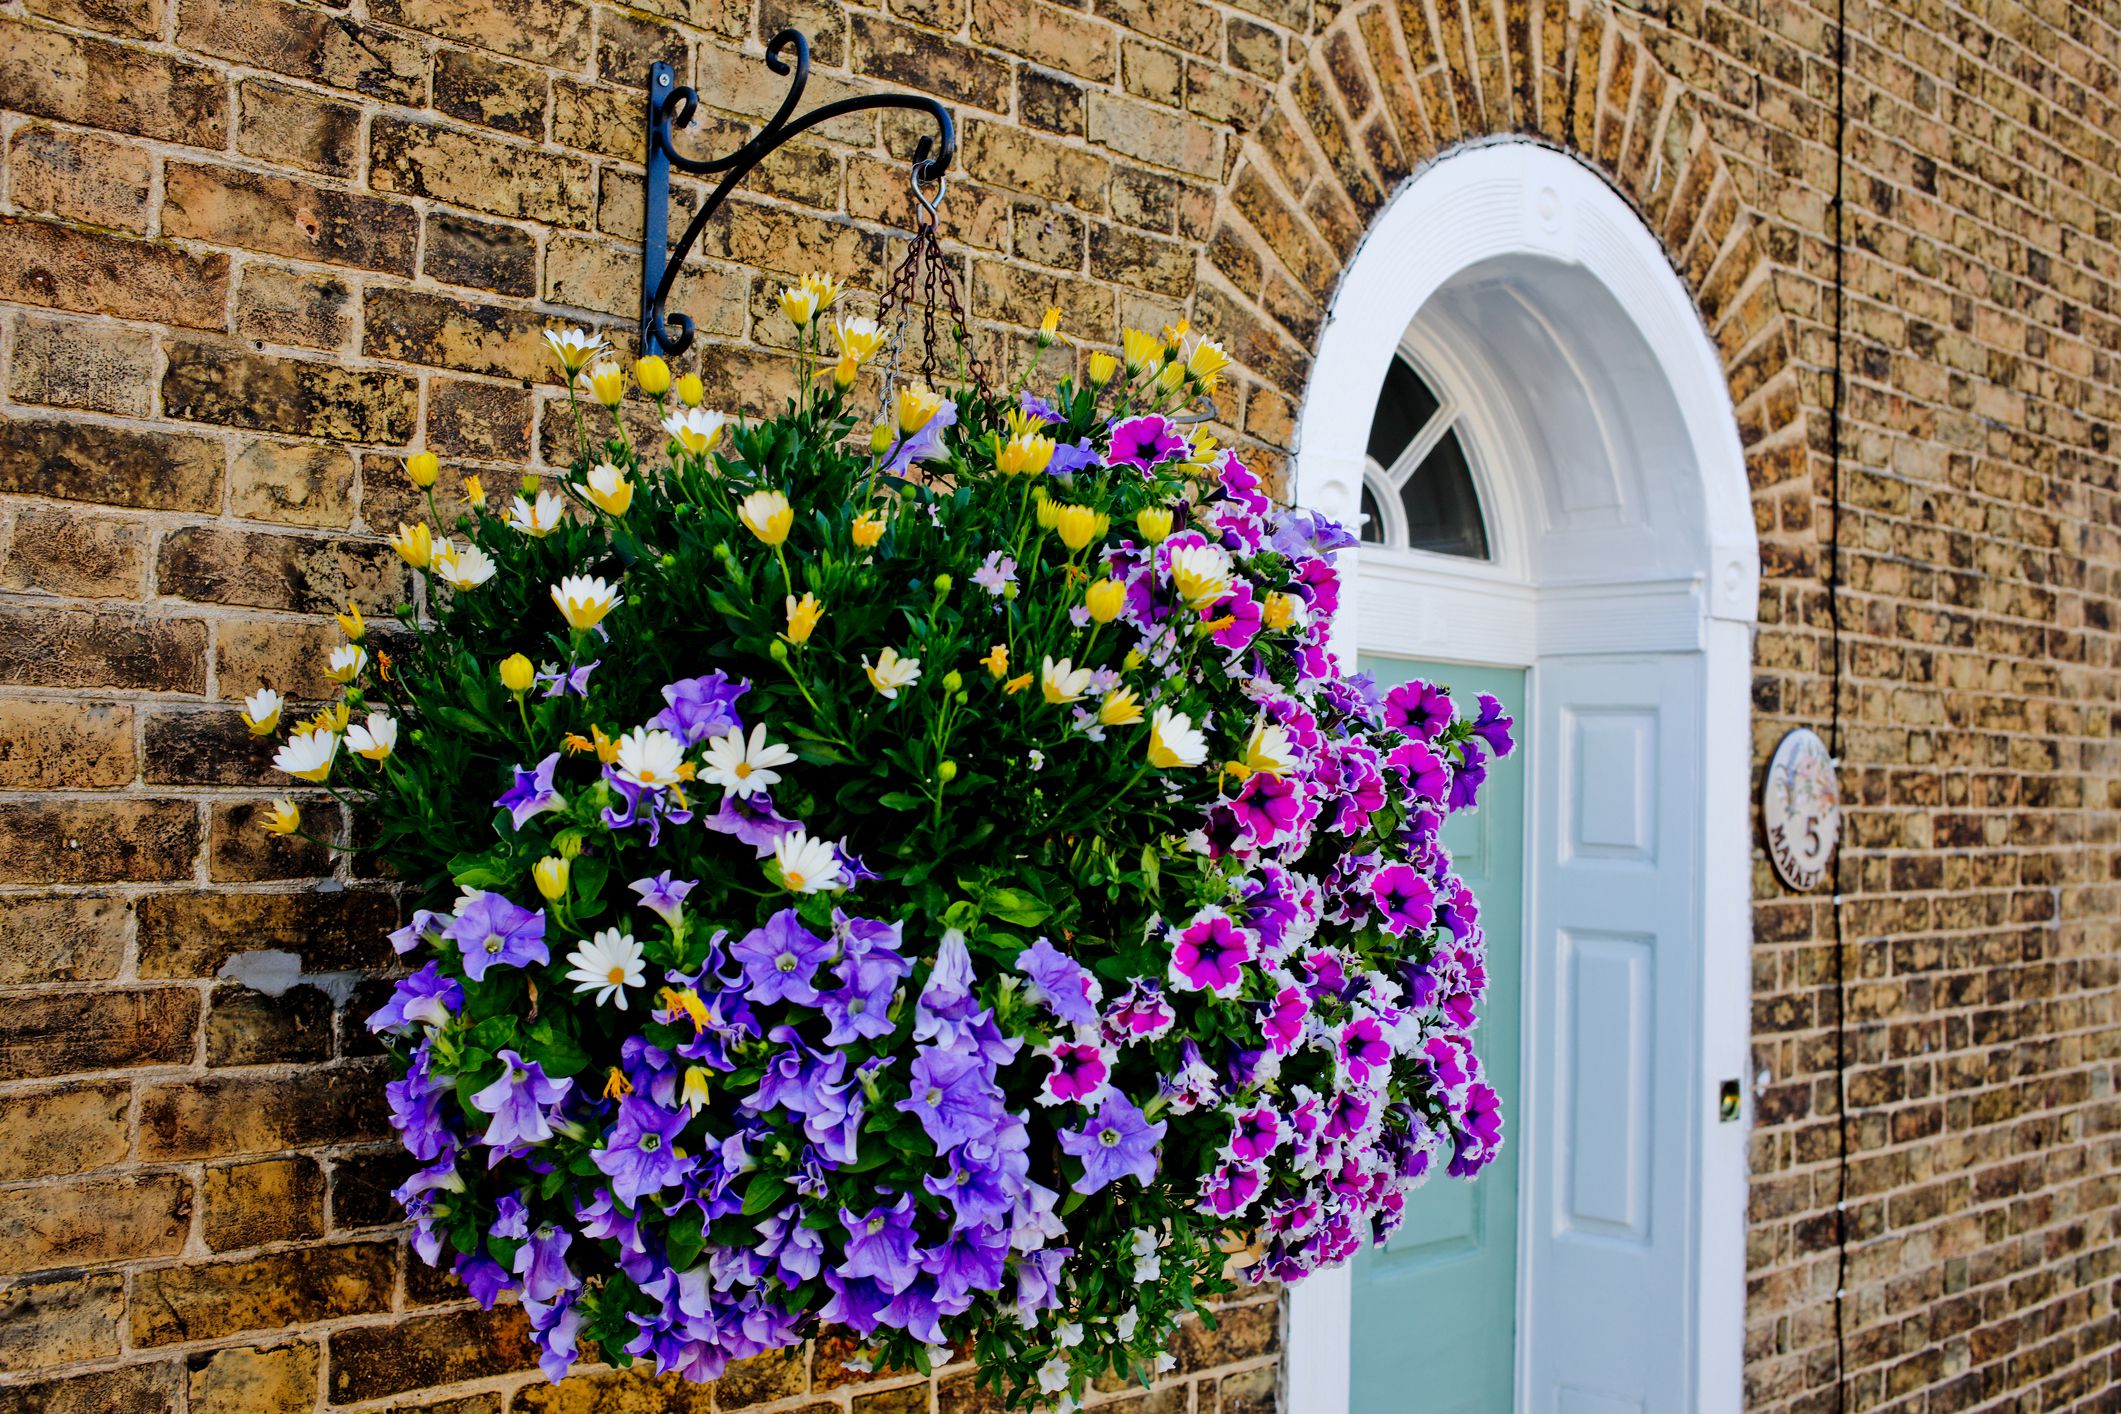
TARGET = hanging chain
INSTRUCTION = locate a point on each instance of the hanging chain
(923, 285)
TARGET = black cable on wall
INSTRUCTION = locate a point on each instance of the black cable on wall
(1836, 744)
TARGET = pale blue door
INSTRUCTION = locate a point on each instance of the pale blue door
(1435, 1312)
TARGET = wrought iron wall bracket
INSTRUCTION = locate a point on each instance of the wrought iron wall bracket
(671, 106)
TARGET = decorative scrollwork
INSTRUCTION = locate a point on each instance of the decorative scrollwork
(671, 106)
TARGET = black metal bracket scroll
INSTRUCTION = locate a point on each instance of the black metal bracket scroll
(671, 106)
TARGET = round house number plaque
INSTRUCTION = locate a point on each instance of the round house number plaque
(1801, 808)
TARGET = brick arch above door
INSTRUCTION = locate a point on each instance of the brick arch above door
(1390, 86)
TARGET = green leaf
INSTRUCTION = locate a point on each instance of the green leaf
(763, 1194)
(683, 1240)
(901, 800)
(556, 1050)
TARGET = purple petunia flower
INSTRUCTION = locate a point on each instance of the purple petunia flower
(1493, 725)
(796, 1250)
(1119, 1143)
(416, 1109)
(953, 1097)
(542, 1264)
(1145, 443)
(753, 820)
(556, 1329)
(484, 1278)
(780, 959)
(425, 998)
(1039, 407)
(650, 804)
(640, 1157)
(664, 895)
(517, 1102)
(1466, 781)
(1061, 983)
(532, 794)
(701, 707)
(425, 923)
(883, 1245)
(925, 445)
(574, 680)
(1071, 457)
(492, 932)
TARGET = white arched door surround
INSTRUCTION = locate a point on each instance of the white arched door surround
(1622, 555)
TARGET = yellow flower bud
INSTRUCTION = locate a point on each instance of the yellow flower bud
(799, 304)
(803, 615)
(421, 468)
(1281, 610)
(1207, 360)
(997, 661)
(607, 382)
(883, 438)
(550, 875)
(517, 673)
(691, 392)
(823, 289)
(1171, 377)
(284, 819)
(1024, 455)
(841, 374)
(610, 488)
(415, 543)
(1139, 350)
(1154, 522)
(915, 409)
(1077, 526)
(474, 491)
(946, 772)
(351, 622)
(1102, 367)
(653, 374)
(868, 529)
(1105, 599)
(1121, 708)
(1049, 326)
(767, 515)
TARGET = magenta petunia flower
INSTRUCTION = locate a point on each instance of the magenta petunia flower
(1267, 808)
(1419, 709)
(1406, 897)
(1210, 953)
(1144, 443)
(1364, 1051)
(1230, 1189)
(1285, 1020)
(1255, 1133)
(1080, 1070)
(1422, 771)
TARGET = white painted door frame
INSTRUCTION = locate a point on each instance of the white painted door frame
(1483, 203)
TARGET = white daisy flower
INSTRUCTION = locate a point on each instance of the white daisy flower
(375, 738)
(540, 517)
(261, 711)
(607, 964)
(584, 600)
(1200, 573)
(890, 672)
(574, 347)
(807, 865)
(695, 429)
(467, 567)
(744, 768)
(1063, 681)
(650, 756)
(1175, 741)
(308, 755)
(346, 663)
(1270, 751)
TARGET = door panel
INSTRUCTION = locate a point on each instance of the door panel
(1434, 1313)
(1613, 971)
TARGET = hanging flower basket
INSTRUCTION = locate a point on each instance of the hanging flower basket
(933, 880)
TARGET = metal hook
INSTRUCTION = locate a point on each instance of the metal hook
(928, 203)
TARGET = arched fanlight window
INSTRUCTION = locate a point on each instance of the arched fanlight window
(1418, 491)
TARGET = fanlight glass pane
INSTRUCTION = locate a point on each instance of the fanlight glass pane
(1373, 521)
(1442, 506)
(1403, 409)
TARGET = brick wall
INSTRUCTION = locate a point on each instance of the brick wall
(252, 251)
